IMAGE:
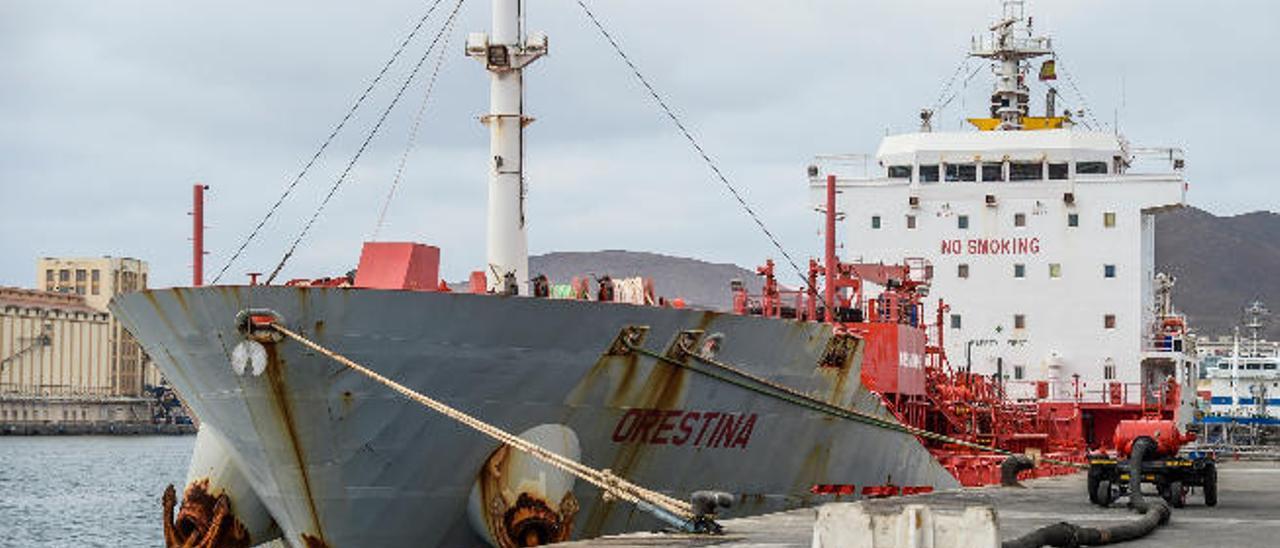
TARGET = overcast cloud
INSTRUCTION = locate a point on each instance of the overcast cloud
(109, 111)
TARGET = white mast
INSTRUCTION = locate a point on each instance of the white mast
(1010, 44)
(505, 53)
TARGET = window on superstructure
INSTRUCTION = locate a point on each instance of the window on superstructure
(1073, 220)
(1026, 171)
(1091, 168)
(1109, 321)
(1108, 271)
(1019, 270)
(1109, 372)
(1055, 270)
(911, 222)
(875, 222)
(961, 173)
(1019, 219)
(899, 172)
(962, 270)
(929, 173)
(955, 321)
(1109, 219)
(1019, 372)
(1019, 321)
(962, 222)
(992, 172)
(1057, 172)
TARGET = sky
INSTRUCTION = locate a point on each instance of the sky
(110, 111)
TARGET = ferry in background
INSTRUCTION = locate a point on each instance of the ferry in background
(1240, 392)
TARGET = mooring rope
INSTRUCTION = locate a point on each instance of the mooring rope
(610, 483)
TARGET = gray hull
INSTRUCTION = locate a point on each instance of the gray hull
(336, 457)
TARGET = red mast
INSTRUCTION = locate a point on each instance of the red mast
(197, 234)
(829, 262)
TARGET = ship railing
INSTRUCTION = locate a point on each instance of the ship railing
(1154, 160)
(1089, 392)
(844, 166)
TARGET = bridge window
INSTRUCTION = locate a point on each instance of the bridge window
(929, 173)
(1026, 171)
(899, 172)
(962, 172)
(992, 172)
(1057, 172)
(1091, 168)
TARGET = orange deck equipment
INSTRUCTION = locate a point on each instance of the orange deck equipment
(398, 265)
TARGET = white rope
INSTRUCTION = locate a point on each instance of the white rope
(604, 479)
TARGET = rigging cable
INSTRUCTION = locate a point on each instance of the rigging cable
(364, 145)
(1072, 82)
(939, 104)
(328, 140)
(696, 146)
(413, 134)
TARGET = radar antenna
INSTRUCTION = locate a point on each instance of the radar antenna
(1010, 44)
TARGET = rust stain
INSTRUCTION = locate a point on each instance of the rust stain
(531, 519)
(663, 388)
(313, 542)
(275, 377)
(204, 521)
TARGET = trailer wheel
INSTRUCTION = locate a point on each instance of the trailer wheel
(1103, 493)
(1095, 475)
(1176, 494)
(1210, 485)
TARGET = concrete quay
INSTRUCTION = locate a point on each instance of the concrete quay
(1248, 514)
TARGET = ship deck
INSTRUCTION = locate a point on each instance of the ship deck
(1245, 516)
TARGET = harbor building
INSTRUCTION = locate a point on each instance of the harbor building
(66, 365)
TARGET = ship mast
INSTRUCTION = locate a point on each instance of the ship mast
(1009, 45)
(505, 52)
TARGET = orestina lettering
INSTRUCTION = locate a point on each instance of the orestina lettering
(679, 427)
(991, 246)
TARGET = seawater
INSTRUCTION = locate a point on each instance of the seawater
(87, 491)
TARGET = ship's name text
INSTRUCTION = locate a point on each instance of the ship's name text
(991, 246)
(679, 427)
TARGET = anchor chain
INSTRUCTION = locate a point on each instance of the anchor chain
(675, 512)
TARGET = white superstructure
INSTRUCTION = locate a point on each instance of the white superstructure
(1040, 233)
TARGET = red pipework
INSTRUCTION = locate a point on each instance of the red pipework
(197, 234)
(829, 264)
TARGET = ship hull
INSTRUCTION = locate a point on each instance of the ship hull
(339, 460)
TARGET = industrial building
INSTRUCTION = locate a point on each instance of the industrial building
(66, 365)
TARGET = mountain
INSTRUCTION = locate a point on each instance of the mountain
(1222, 264)
(699, 283)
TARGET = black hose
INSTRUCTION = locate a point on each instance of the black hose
(1138, 452)
(1011, 466)
(1063, 534)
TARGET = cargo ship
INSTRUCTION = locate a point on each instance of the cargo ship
(837, 390)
